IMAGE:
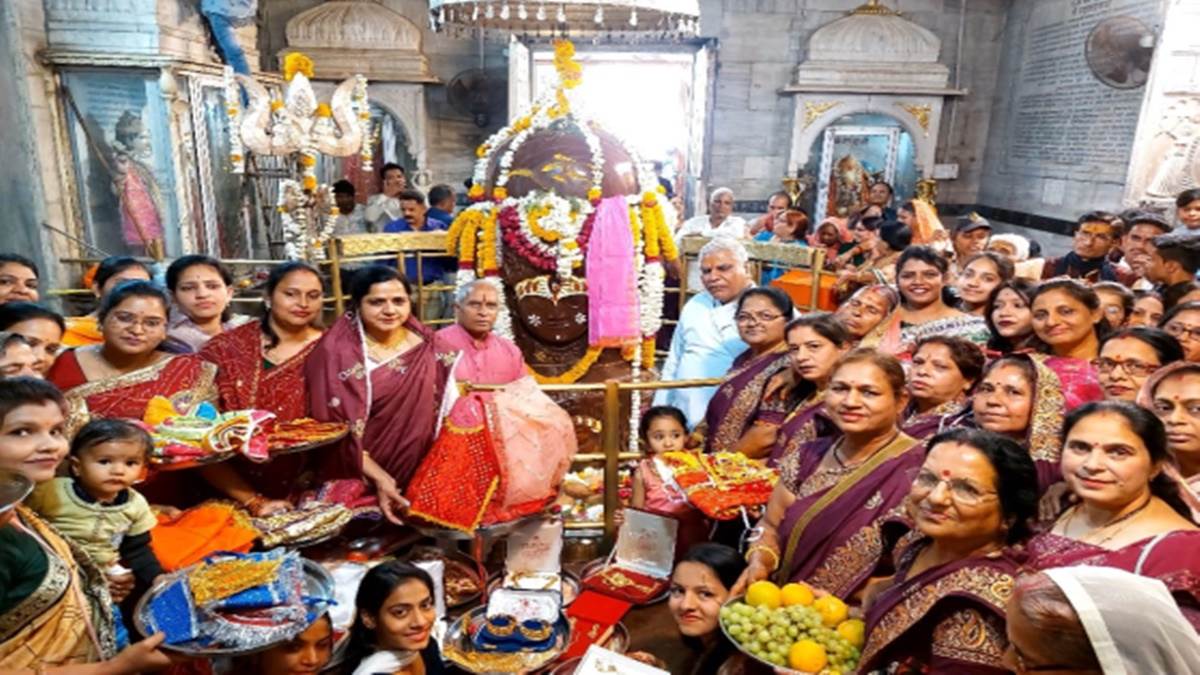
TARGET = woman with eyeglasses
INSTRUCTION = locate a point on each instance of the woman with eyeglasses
(1173, 393)
(740, 416)
(865, 231)
(1026, 397)
(944, 371)
(1116, 301)
(921, 277)
(943, 610)
(1128, 513)
(1009, 317)
(866, 309)
(118, 377)
(823, 522)
(1182, 322)
(1130, 356)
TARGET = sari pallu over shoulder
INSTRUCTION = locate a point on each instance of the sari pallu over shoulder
(738, 402)
(185, 379)
(833, 531)
(243, 382)
(66, 620)
(947, 619)
(392, 411)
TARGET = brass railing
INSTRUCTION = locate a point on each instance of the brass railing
(763, 255)
(611, 443)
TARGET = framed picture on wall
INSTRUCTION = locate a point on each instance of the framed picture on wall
(853, 157)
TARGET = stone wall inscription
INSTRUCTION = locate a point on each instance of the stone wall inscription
(1063, 115)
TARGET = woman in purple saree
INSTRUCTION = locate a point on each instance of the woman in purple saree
(815, 342)
(944, 610)
(944, 370)
(376, 370)
(1129, 514)
(740, 416)
(823, 522)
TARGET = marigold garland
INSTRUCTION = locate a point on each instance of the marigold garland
(572, 375)
(649, 344)
(488, 262)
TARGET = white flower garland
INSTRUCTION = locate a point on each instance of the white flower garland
(233, 110)
(360, 104)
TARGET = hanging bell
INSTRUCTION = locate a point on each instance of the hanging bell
(522, 13)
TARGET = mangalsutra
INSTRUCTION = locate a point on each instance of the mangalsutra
(1116, 521)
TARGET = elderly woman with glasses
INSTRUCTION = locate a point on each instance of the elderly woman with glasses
(1130, 356)
(943, 610)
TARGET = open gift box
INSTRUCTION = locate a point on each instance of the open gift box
(534, 558)
(639, 568)
(520, 621)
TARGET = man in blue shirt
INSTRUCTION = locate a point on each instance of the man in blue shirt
(417, 218)
(441, 204)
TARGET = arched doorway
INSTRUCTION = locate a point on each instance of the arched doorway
(851, 153)
(392, 143)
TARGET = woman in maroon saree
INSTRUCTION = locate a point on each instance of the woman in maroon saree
(815, 342)
(376, 370)
(260, 364)
(1129, 513)
(740, 416)
(944, 610)
(823, 522)
(1026, 397)
(944, 370)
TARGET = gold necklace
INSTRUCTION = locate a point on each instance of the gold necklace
(1127, 518)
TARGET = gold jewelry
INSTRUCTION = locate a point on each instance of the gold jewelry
(501, 625)
(617, 579)
(536, 631)
(766, 549)
(397, 340)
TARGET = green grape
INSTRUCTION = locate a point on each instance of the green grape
(792, 632)
(763, 635)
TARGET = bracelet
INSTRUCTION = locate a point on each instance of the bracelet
(536, 631)
(501, 625)
(766, 549)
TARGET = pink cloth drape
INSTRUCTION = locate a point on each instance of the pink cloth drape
(611, 283)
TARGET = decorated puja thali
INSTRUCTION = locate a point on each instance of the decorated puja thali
(236, 604)
(517, 631)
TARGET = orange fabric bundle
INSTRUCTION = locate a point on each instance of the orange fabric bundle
(199, 532)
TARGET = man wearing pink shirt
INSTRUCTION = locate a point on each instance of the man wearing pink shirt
(484, 358)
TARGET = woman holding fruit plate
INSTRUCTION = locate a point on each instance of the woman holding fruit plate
(823, 521)
(944, 610)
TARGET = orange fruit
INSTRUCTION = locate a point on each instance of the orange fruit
(796, 594)
(807, 656)
(853, 631)
(832, 610)
(763, 594)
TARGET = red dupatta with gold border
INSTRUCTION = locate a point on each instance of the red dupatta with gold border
(242, 380)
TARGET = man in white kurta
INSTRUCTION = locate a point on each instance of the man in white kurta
(706, 339)
(719, 221)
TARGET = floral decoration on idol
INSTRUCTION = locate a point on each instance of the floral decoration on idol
(553, 231)
(300, 126)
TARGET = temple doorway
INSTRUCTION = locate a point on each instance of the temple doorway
(855, 151)
(656, 99)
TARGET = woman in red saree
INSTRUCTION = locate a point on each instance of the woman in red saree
(740, 416)
(944, 609)
(823, 522)
(260, 364)
(377, 371)
(815, 342)
(1129, 513)
(1026, 397)
(118, 377)
(944, 370)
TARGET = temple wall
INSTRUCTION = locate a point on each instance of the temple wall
(761, 43)
(1060, 138)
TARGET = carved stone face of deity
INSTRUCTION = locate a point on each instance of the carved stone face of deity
(554, 310)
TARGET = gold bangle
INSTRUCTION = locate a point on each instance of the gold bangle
(502, 625)
(536, 631)
(774, 554)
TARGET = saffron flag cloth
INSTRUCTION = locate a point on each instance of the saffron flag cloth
(611, 278)
(199, 532)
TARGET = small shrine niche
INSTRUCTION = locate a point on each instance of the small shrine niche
(345, 37)
(868, 106)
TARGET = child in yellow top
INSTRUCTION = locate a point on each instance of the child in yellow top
(97, 508)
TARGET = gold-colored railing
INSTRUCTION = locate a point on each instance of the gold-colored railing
(611, 443)
(763, 256)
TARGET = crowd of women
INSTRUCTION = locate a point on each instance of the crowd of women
(999, 474)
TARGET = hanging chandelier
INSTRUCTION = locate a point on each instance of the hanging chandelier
(568, 18)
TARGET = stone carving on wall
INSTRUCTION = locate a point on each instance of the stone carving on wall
(1179, 138)
(920, 113)
(814, 110)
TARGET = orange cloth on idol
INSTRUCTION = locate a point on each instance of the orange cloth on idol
(82, 331)
(199, 532)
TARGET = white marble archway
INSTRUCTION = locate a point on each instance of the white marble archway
(815, 111)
